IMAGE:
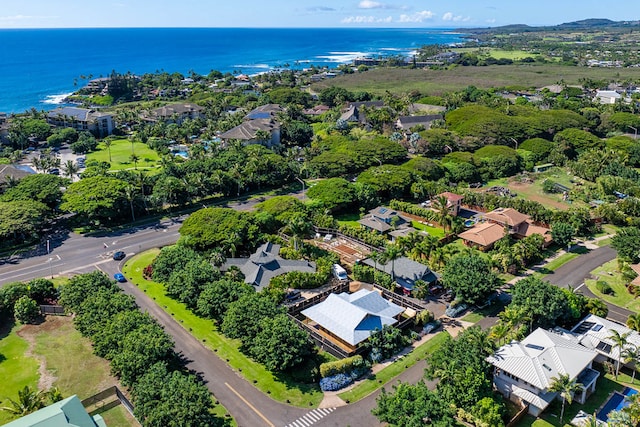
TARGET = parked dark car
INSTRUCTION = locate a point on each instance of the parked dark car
(120, 255)
(431, 327)
(456, 310)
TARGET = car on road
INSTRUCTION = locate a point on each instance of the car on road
(119, 255)
(431, 327)
(120, 277)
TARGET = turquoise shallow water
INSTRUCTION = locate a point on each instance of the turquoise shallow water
(37, 67)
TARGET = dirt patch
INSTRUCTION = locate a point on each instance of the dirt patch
(28, 333)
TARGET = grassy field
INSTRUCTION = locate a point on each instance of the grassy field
(350, 219)
(121, 150)
(379, 379)
(434, 231)
(438, 82)
(621, 297)
(17, 370)
(498, 53)
(69, 361)
(279, 388)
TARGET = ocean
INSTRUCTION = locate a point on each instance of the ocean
(38, 68)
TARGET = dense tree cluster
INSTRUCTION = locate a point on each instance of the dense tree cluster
(140, 353)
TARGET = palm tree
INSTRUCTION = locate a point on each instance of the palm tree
(130, 194)
(391, 253)
(566, 387)
(107, 143)
(619, 340)
(135, 159)
(630, 354)
(70, 168)
(499, 331)
(443, 214)
(299, 227)
(29, 400)
(633, 321)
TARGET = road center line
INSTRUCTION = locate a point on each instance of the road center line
(269, 423)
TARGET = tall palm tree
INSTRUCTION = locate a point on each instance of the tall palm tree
(299, 226)
(390, 254)
(70, 168)
(29, 400)
(631, 353)
(135, 159)
(443, 214)
(499, 332)
(566, 386)
(619, 340)
(130, 194)
(107, 143)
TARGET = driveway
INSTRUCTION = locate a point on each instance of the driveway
(574, 273)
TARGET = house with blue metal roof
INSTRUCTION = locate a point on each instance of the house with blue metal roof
(349, 319)
(68, 412)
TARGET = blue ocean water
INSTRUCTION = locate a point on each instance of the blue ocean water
(38, 67)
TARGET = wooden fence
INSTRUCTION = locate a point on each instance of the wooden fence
(52, 310)
(107, 399)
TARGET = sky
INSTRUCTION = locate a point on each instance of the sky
(307, 13)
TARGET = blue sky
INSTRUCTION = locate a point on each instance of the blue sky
(307, 13)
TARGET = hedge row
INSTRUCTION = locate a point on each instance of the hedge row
(343, 366)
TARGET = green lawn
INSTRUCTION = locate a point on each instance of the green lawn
(434, 231)
(16, 369)
(556, 263)
(121, 150)
(621, 297)
(499, 53)
(280, 388)
(378, 380)
(349, 219)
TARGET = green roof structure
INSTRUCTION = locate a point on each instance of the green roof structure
(65, 413)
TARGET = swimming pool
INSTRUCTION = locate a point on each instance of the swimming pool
(615, 403)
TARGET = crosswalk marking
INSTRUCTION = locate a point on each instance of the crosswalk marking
(311, 418)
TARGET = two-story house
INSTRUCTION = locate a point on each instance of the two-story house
(524, 371)
(82, 119)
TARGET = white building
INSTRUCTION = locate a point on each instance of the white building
(594, 333)
(524, 371)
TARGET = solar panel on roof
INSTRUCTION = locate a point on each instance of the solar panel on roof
(603, 346)
(535, 346)
(383, 210)
(597, 328)
(584, 327)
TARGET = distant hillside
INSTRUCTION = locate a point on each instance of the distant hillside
(585, 24)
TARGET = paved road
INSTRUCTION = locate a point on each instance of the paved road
(574, 273)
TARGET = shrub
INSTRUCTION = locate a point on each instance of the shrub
(548, 186)
(342, 366)
(335, 382)
(603, 287)
(26, 310)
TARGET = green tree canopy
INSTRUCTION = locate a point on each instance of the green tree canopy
(627, 243)
(243, 316)
(187, 283)
(216, 297)
(470, 278)
(544, 302)
(21, 220)
(99, 198)
(170, 259)
(43, 188)
(280, 344)
(212, 227)
(336, 194)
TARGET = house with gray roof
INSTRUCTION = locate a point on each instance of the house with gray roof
(265, 264)
(408, 122)
(68, 412)
(351, 318)
(594, 333)
(247, 132)
(383, 219)
(177, 113)
(82, 119)
(524, 371)
(10, 172)
(267, 111)
(405, 270)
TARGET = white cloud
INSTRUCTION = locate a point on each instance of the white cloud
(455, 18)
(417, 16)
(366, 20)
(491, 21)
(370, 4)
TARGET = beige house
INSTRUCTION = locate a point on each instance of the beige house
(82, 119)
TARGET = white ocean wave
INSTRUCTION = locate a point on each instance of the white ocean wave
(56, 99)
(264, 66)
(341, 57)
(394, 49)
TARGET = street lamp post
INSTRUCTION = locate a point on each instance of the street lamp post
(50, 267)
(635, 135)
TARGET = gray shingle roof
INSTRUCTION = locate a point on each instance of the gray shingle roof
(80, 114)
(265, 264)
(247, 131)
(406, 271)
(354, 317)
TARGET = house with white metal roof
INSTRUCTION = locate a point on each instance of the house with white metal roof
(524, 371)
(350, 319)
(594, 333)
